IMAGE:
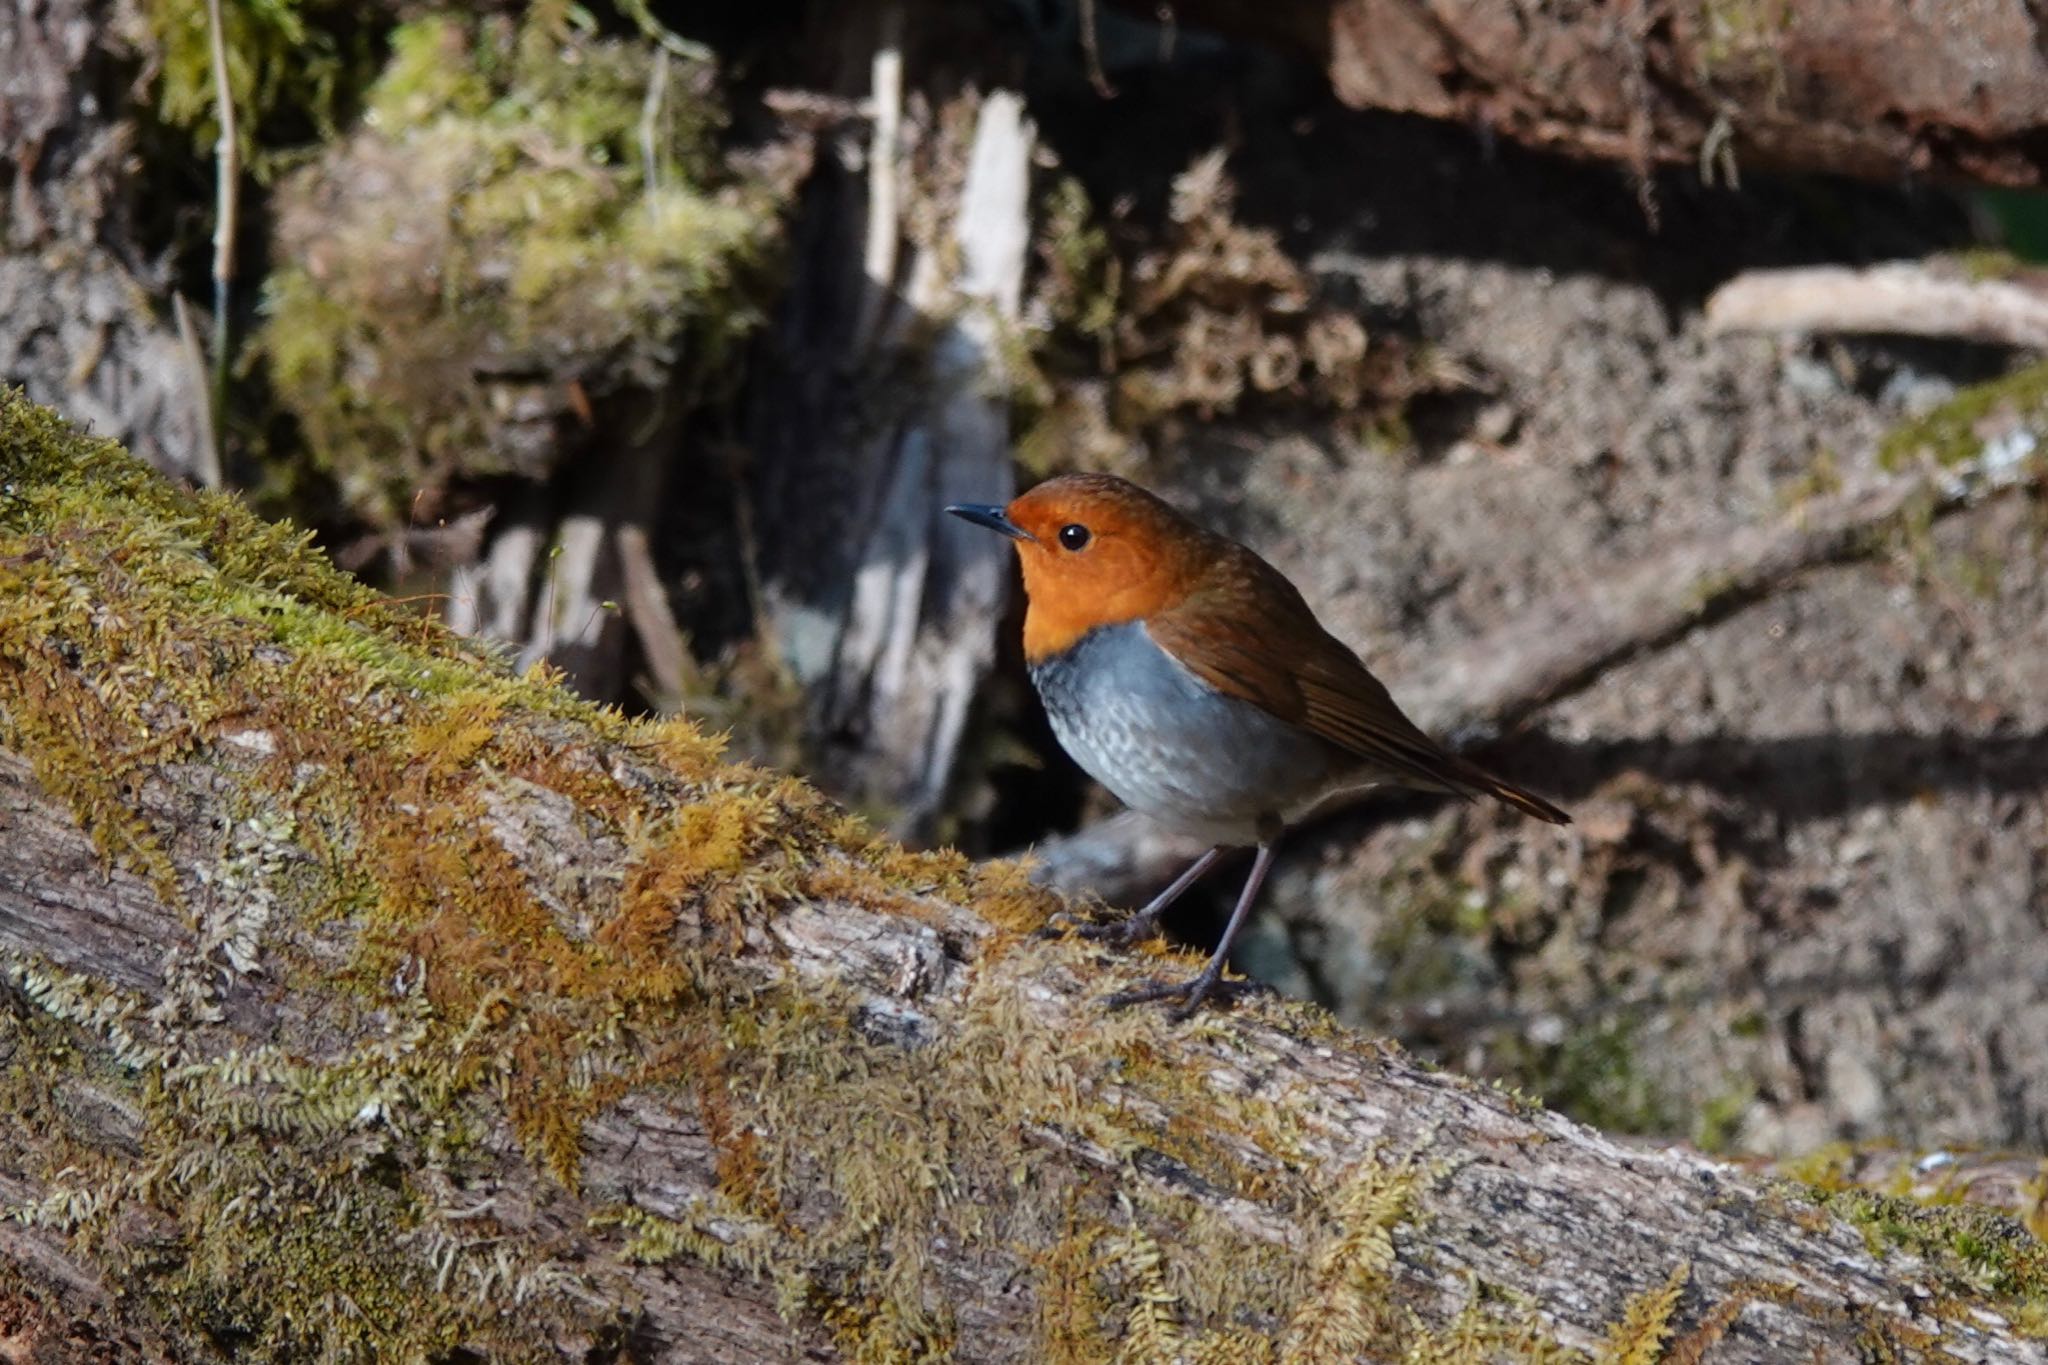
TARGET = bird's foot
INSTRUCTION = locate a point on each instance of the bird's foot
(1121, 933)
(1190, 993)
(1117, 933)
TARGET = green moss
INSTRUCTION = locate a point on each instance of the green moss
(1718, 1125)
(1952, 434)
(432, 72)
(1594, 1076)
(1974, 1253)
(295, 68)
(524, 210)
(1083, 283)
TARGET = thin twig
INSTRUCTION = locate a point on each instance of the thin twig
(650, 129)
(228, 170)
(1091, 50)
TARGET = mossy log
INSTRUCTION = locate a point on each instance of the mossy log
(363, 999)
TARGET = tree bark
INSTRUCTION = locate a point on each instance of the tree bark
(83, 320)
(1876, 88)
(365, 999)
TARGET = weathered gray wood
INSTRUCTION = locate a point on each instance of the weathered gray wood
(1905, 298)
(891, 400)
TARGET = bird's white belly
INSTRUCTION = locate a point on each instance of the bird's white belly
(1174, 748)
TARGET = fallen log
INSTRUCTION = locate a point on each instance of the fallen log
(361, 998)
(1874, 88)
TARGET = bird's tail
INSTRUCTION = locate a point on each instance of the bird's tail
(1527, 802)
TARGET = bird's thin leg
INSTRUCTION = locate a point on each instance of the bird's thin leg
(1145, 923)
(1209, 981)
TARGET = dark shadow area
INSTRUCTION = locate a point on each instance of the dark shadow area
(1799, 777)
(1372, 184)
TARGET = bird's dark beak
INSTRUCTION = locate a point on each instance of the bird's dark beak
(994, 518)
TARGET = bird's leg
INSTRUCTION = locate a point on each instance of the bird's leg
(1145, 923)
(1209, 981)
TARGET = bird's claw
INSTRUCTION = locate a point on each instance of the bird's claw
(1117, 933)
(1120, 933)
(1190, 993)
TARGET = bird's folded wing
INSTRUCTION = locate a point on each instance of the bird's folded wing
(1280, 659)
(1247, 632)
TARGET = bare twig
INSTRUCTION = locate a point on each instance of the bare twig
(1906, 297)
(1091, 49)
(207, 470)
(653, 620)
(816, 109)
(228, 172)
(878, 260)
(1566, 645)
(650, 129)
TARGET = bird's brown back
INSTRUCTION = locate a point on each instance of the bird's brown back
(1244, 628)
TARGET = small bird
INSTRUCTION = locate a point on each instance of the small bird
(1189, 677)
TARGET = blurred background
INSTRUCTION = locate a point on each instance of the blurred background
(1650, 392)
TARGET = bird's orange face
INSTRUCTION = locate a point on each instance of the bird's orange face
(1096, 551)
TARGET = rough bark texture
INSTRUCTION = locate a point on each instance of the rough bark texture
(78, 327)
(1878, 88)
(363, 999)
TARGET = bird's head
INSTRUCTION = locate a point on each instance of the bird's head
(1096, 551)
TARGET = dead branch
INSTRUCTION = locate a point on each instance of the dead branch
(1860, 87)
(1906, 298)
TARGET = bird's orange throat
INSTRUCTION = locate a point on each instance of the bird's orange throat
(1060, 611)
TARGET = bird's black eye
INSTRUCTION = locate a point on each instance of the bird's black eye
(1074, 535)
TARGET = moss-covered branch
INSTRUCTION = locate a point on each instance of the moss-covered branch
(366, 1000)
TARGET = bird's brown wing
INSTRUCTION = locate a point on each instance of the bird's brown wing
(1247, 632)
